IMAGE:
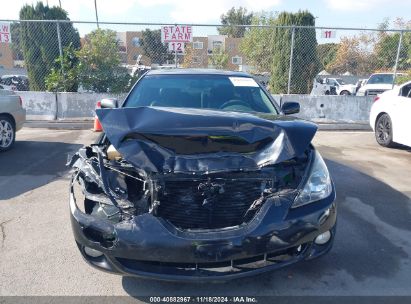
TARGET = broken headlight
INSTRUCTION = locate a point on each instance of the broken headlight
(318, 185)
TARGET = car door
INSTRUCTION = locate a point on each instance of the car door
(402, 117)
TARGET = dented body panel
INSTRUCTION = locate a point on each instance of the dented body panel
(150, 247)
(191, 140)
(199, 194)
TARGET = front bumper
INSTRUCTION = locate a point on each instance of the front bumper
(148, 246)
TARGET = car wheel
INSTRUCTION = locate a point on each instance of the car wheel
(7, 133)
(383, 131)
(327, 92)
(345, 93)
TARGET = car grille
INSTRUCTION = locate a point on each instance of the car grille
(210, 203)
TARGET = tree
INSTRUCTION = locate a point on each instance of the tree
(326, 54)
(232, 18)
(65, 77)
(219, 59)
(355, 55)
(99, 68)
(257, 44)
(268, 48)
(386, 51)
(154, 48)
(400, 79)
(305, 60)
(39, 40)
(188, 57)
(16, 44)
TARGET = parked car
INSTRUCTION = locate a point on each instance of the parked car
(14, 82)
(377, 84)
(200, 175)
(341, 87)
(12, 117)
(390, 116)
(10, 87)
(322, 86)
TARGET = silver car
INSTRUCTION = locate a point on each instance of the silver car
(12, 117)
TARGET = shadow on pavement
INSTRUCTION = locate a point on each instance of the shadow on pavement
(362, 250)
(402, 147)
(32, 164)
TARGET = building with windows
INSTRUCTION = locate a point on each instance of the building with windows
(196, 54)
(6, 56)
(235, 57)
(134, 50)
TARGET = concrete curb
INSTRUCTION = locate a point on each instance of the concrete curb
(59, 125)
(344, 127)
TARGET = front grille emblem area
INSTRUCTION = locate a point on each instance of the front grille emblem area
(210, 191)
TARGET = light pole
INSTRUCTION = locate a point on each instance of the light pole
(95, 7)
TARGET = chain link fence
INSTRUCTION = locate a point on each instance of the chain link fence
(109, 57)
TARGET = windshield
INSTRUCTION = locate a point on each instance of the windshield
(340, 81)
(217, 92)
(381, 78)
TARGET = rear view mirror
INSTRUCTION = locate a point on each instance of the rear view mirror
(290, 107)
(109, 103)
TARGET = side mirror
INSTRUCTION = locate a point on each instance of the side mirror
(290, 107)
(109, 103)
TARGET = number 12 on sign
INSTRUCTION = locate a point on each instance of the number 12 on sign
(176, 47)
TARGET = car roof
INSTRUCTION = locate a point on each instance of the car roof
(197, 72)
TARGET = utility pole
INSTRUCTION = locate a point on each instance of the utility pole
(397, 59)
(95, 7)
(60, 3)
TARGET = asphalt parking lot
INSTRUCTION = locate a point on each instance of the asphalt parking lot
(371, 255)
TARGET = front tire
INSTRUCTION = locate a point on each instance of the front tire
(7, 133)
(383, 131)
(345, 93)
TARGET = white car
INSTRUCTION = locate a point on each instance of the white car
(332, 86)
(343, 88)
(7, 87)
(377, 84)
(390, 116)
(12, 117)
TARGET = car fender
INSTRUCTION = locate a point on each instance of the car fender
(385, 104)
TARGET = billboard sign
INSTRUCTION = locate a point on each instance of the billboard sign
(176, 33)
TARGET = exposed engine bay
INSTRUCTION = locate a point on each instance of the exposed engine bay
(113, 189)
(195, 169)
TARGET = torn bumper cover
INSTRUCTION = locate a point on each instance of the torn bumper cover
(197, 195)
(149, 246)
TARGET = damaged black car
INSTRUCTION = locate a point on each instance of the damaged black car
(200, 175)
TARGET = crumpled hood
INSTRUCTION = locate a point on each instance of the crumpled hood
(182, 140)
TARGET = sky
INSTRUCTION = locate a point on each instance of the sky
(336, 13)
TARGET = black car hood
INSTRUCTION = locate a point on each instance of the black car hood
(182, 140)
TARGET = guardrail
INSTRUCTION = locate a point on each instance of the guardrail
(81, 106)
